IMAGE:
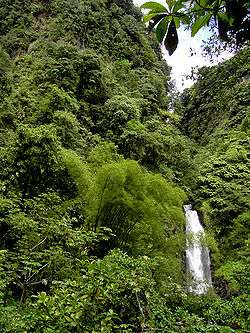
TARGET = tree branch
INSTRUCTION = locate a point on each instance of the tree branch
(33, 248)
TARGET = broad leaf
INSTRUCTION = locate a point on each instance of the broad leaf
(154, 6)
(149, 16)
(178, 5)
(161, 29)
(226, 18)
(177, 22)
(184, 18)
(170, 3)
(171, 40)
(204, 4)
(199, 23)
(155, 20)
(223, 27)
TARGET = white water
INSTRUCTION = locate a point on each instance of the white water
(197, 255)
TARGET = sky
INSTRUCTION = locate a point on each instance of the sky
(182, 61)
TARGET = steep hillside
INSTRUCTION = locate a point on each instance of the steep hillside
(217, 115)
(82, 89)
(93, 174)
(219, 99)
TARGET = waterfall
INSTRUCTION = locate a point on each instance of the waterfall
(197, 256)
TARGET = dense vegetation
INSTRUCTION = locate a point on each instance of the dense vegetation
(217, 115)
(95, 169)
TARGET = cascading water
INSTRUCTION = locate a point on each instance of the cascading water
(197, 255)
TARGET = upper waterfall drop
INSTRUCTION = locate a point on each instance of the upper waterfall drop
(197, 255)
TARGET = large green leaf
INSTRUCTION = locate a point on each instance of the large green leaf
(161, 28)
(177, 22)
(156, 17)
(155, 21)
(149, 16)
(204, 4)
(170, 3)
(184, 18)
(199, 23)
(178, 5)
(171, 40)
(154, 6)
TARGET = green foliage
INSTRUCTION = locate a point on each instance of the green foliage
(216, 112)
(127, 200)
(167, 20)
(223, 98)
(68, 129)
(36, 161)
(5, 65)
(117, 111)
(225, 177)
(2, 275)
(103, 299)
(159, 147)
(56, 99)
(79, 171)
(229, 17)
(92, 163)
(236, 273)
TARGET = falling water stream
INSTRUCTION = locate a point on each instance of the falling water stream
(197, 255)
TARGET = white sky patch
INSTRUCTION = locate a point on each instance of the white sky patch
(181, 61)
